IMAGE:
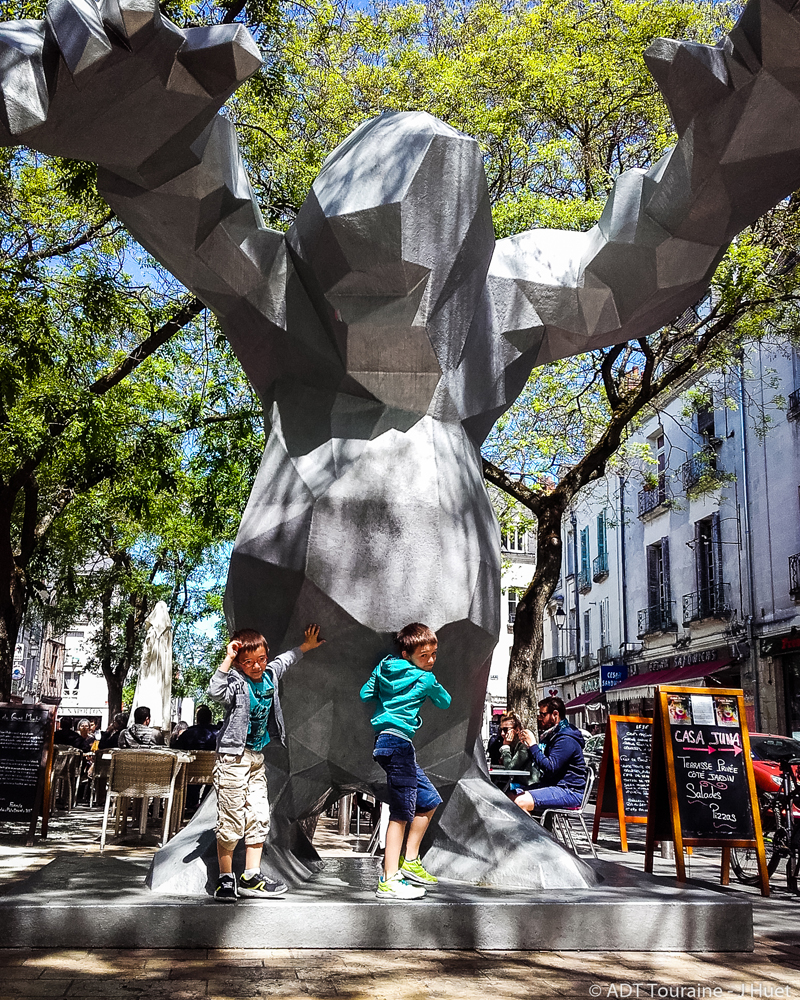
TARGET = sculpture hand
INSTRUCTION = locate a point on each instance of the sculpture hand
(117, 84)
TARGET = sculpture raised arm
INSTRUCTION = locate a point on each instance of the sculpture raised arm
(736, 108)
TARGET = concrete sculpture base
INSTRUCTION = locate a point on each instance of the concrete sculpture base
(102, 902)
(478, 836)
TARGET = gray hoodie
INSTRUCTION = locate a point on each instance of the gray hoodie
(231, 690)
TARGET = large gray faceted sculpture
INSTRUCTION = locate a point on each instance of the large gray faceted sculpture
(385, 333)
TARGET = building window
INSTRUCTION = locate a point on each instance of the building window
(658, 616)
(514, 540)
(705, 423)
(573, 622)
(604, 622)
(571, 550)
(585, 580)
(710, 599)
(513, 600)
(600, 565)
(587, 633)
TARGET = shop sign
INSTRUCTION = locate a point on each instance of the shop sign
(612, 674)
(675, 662)
(590, 684)
(786, 642)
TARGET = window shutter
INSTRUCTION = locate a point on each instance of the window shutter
(716, 553)
(665, 571)
(699, 572)
(652, 576)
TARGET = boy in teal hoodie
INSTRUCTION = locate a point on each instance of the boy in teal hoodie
(400, 685)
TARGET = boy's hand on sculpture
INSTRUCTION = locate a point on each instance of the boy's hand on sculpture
(118, 84)
(312, 639)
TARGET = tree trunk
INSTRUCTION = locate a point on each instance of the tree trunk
(12, 600)
(526, 651)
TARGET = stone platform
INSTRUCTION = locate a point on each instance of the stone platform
(101, 902)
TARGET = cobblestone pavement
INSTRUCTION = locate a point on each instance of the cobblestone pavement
(772, 970)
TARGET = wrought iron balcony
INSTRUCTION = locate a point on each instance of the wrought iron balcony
(657, 618)
(650, 500)
(794, 576)
(584, 581)
(793, 411)
(605, 654)
(600, 567)
(711, 602)
(701, 464)
(553, 667)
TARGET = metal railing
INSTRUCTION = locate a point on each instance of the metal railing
(702, 463)
(711, 602)
(793, 410)
(653, 498)
(657, 618)
(600, 567)
(553, 667)
(605, 654)
(587, 661)
(794, 576)
(584, 580)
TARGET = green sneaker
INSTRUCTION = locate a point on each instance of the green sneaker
(413, 871)
(397, 888)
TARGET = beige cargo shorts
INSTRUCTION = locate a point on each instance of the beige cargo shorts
(242, 800)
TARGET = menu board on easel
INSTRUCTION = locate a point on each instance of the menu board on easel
(624, 780)
(702, 788)
(26, 750)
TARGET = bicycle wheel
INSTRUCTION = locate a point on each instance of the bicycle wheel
(744, 862)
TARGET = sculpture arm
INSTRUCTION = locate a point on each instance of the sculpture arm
(736, 108)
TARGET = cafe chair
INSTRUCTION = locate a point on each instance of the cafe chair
(99, 777)
(145, 775)
(197, 771)
(62, 775)
(563, 818)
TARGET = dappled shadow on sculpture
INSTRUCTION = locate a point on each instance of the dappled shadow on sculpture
(384, 334)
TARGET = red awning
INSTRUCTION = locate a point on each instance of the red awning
(584, 699)
(644, 685)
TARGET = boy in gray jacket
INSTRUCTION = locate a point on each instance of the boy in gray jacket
(253, 717)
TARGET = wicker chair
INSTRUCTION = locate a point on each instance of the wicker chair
(141, 774)
(197, 772)
(62, 775)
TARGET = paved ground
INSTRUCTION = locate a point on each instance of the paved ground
(773, 970)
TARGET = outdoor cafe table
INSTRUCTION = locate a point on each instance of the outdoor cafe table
(502, 777)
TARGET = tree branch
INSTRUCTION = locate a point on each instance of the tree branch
(158, 338)
(59, 251)
(497, 477)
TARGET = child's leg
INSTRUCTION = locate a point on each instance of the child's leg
(225, 858)
(416, 831)
(229, 782)
(395, 834)
(252, 857)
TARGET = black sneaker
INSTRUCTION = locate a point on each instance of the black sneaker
(261, 887)
(226, 889)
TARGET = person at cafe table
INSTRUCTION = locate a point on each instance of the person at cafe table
(141, 735)
(558, 756)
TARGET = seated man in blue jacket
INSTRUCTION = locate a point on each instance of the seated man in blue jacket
(559, 758)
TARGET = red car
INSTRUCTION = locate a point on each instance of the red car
(767, 751)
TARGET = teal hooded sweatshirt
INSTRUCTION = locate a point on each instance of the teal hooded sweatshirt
(400, 688)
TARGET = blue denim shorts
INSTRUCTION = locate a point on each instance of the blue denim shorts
(410, 790)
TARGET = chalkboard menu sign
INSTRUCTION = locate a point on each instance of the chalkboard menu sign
(702, 789)
(26, 746)
(624, 782)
